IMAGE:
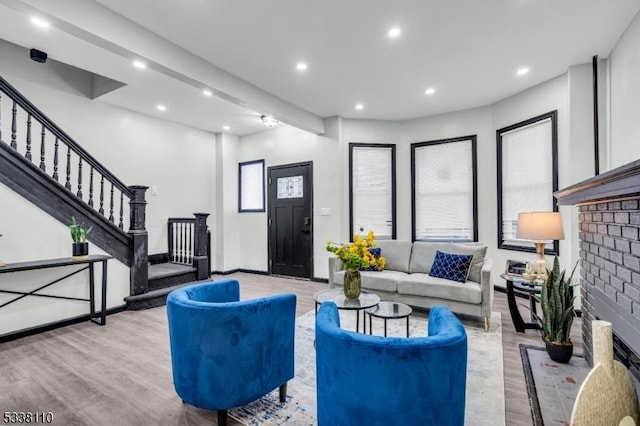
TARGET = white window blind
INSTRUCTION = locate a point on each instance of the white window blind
(527, 176)
(372, 190)
(443, 191)
(251, 191)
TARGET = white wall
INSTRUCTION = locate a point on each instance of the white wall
(624, 100)
(287, 145)
(31, 234)
(138, 149)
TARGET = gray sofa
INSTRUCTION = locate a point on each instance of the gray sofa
(406, 277)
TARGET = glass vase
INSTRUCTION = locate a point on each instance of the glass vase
(352, 284)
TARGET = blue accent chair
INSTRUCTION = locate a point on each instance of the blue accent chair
(373, 380)
(226, 353)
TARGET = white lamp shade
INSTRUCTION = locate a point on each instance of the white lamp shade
(540, 226)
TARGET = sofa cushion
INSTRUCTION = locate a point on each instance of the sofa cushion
(396, 253)
(427, 286)
(449, 266)
(423, 253)
(478, 251)
(384, 280)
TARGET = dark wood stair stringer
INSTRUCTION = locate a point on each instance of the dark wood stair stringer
(33, 184)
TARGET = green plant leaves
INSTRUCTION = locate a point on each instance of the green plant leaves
(78, 232)
(556, 300)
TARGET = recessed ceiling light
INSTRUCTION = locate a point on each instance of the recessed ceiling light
(268, 121)
(359, 107)
(208, 93)
(226, 128)
(139, 64)
(522, 71)
(394, 32)
(39, 22)
(161, 107)
(430, 91)
(301, 66)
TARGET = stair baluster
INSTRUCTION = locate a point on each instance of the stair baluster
(55, 160)
(68, 184)
(111, 206)
(79, 193)
(121, 224)
(90, 201)
(43, 167)
(14, 111)
(27, 155)
(189, 246)
(101, 209)
(0, 116)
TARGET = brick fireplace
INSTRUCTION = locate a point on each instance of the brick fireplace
(609, 224)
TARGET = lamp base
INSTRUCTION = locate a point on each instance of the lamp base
(539, 265)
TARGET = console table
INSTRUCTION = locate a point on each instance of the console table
(97, 317)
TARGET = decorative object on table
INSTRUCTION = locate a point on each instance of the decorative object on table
(354, 257)
(607, 396)
(540, 227)
(80, 247)
(529, 273)
(556, 300)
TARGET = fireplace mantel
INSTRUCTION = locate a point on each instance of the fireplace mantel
(618, 183)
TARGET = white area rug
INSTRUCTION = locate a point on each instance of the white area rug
(485, 378)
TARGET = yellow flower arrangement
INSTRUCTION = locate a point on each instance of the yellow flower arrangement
(356, 255)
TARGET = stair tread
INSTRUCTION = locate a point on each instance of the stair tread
(162, 270)
(158, 293)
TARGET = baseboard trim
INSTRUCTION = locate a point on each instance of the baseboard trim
(233, 271)
(53, 325)
(320, 280)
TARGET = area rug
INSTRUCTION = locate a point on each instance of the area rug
(552, 387)
(485, 378)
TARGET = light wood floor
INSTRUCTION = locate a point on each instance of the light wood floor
(120, 374)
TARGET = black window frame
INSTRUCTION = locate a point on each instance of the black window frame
(353, 145)
(474, 164)
(264, 200)
(553, 115)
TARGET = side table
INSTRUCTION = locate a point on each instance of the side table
(387, 311)
(517, 284)
(364, 301)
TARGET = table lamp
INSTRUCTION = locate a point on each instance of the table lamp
(540, 226)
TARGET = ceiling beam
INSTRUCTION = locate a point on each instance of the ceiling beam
(102, 27)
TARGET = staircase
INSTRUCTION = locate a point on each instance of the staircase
(43, 164)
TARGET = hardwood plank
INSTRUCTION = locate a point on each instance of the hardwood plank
(121, 373)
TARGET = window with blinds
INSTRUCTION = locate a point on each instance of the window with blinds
(372, 183)
(527, 176)
(251, 186)
(444, 197)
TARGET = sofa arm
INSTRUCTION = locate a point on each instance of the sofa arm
(486, 285)
(334, 266)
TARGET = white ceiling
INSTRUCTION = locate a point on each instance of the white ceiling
(468, 50)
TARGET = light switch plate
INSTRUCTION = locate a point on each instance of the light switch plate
(154, 190)
(325, 211)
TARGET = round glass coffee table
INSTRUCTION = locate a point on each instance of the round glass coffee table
(387, 311)
(364, 301)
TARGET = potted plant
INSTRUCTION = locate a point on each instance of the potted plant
(80, 247)
(556, 299)
(354, 257)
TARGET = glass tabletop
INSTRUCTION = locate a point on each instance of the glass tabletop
(364, 301)
(390, 310)
(522, 283)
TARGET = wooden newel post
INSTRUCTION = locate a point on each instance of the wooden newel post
(139, 273)
(201, 256)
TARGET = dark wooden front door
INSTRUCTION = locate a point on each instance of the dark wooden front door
(290, 220)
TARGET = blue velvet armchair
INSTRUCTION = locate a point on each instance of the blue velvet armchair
(226, 353)
(373, 380)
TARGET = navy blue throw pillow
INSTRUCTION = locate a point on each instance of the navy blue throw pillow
(376, 252)
(454, 267)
